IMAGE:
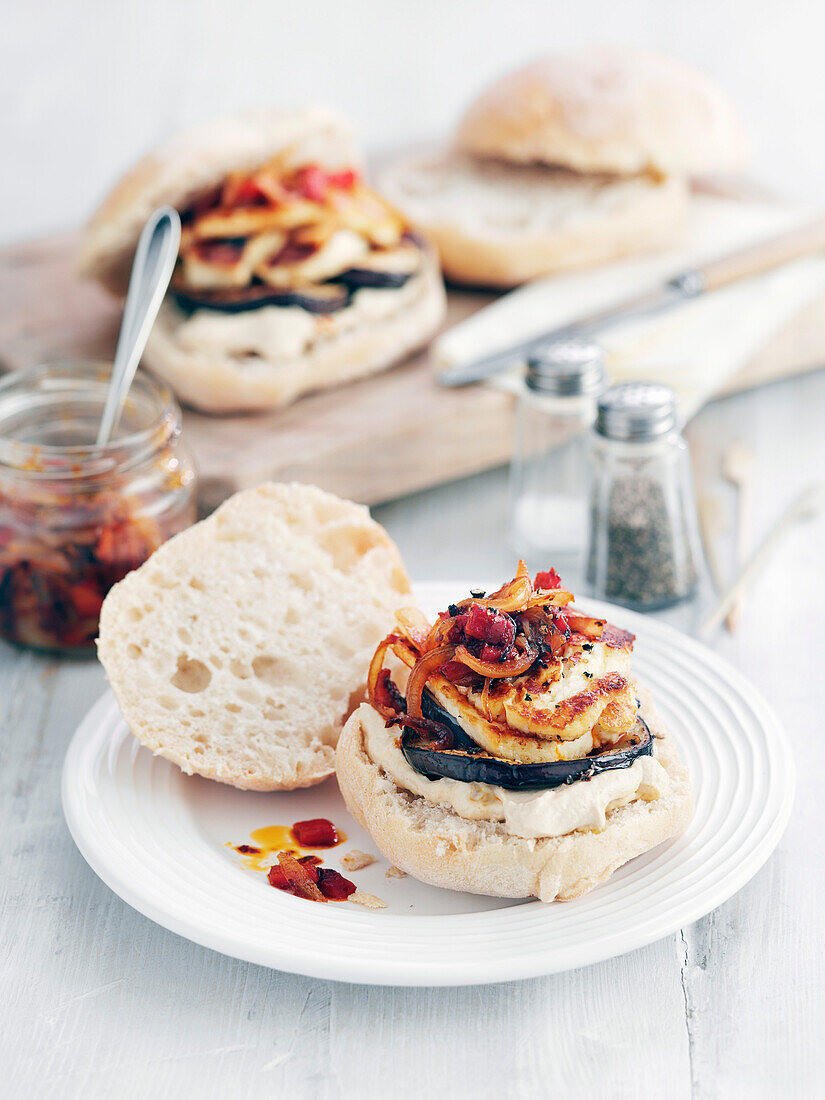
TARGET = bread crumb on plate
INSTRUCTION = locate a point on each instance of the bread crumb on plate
(369, 901)
(356, 860)
(395, 872)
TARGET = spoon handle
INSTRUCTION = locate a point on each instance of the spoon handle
(152, 269)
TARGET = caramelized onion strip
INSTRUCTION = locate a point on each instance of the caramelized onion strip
(376, 665)
(513, 596)
(424, 668)
(497, 670)
(585, 624)
(559, 597)
(439, 632)
(414, 626)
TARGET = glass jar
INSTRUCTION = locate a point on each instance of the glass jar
(644, 549)
(74, 517)
(548, 505)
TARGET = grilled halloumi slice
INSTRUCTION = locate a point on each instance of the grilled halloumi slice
(569, 697)
(201, 270)
(343, 250)
(499, 739)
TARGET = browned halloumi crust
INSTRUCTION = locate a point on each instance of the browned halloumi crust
(572, 717)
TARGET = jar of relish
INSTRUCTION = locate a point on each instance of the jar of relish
(74, 517)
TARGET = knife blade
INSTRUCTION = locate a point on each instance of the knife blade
(681, 288)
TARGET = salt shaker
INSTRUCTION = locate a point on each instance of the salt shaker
(644, 547)
(548, 479)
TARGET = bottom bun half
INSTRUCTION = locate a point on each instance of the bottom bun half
(218, 377)
(437, 846)
(499, 225)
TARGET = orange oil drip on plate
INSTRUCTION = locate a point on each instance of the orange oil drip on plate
(270, 840)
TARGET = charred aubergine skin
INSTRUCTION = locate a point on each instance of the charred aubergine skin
(468, 763)
(324, 298)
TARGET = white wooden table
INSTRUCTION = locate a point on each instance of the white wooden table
(96, 1001)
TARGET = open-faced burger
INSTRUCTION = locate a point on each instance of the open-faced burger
(506, 749)
(293, 274)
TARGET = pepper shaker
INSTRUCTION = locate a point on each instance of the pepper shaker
(644, 548)
(548, 477)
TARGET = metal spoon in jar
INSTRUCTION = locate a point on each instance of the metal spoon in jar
(152, 269)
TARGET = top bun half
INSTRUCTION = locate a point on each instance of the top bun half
(194, 161)
(607, 109)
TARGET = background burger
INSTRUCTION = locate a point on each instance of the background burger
(293, 274)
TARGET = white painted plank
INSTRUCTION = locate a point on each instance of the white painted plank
(755, 975)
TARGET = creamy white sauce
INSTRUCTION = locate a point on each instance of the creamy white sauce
(583, 805)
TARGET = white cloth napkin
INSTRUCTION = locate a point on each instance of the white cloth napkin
(694, 347)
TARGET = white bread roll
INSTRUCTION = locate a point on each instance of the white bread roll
(222, 374)
(498, 225)
(607, 109)
(436, 845)
(192, 162)
(240, 647)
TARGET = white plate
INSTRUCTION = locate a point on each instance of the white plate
(159, 839)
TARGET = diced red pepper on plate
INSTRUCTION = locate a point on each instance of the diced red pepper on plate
(315, 833)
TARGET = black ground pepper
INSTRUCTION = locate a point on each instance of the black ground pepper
(648, 551)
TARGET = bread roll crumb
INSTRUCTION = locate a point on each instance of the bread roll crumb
(369, 901)
(395, 872)
(356, 861)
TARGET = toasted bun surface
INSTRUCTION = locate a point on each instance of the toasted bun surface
(607, 109)
(239, 648)
(220, 378)
(498, 225)
(436, 845)
(193, 162)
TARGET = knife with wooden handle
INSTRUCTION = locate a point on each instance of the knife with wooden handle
(744, 263)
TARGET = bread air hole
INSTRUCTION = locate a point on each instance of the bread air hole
(348, 545)
(192, 675)
(199, 586)
(233, 708)
(133, 651)
(162, 580)
(266, 668)
(239, 669)
(135, 614)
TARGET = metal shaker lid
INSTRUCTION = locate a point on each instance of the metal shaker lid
(637, 411)
(567, 369)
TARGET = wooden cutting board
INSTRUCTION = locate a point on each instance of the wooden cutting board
(371, 441)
